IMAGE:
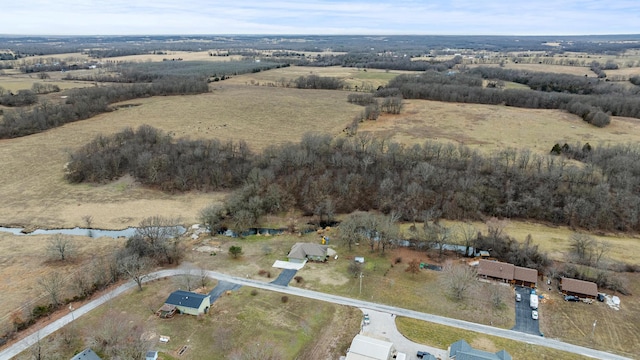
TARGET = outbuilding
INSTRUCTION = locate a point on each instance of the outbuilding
(368, 348)
(579, 288)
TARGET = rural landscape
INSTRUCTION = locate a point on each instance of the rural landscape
(415, 171)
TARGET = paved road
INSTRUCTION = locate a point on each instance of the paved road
(23, 344)
(285, 277)
(221, 288)
(524, 321)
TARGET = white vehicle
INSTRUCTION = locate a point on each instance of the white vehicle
(533, 302)
(534, 314)
(518, 297)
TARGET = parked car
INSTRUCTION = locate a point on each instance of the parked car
(366, 319)
(571, 298)
(534, 314)
(422, 354)
(518, 297)
(600, 297)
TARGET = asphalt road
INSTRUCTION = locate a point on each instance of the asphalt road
(285, 277)
(221, 288)
(26, 342)
(524, 321)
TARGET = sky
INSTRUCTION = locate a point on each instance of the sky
(320, 17)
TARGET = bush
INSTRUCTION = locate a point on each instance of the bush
(262, 272)
(398, 260)
(298, 279)
(254, 292)
(284, 299)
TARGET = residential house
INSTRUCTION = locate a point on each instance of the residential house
(579, 288)
(461, 350)
(86, 354)
(187, 302)
(151, 355)
(301, 252)
(506, 272)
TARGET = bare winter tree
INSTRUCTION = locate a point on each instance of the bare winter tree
(188, 281)
(60, 247)
(118, 338)
(135, 268)
(157, 229)
(601, 249)
(53, 284)
(582, 246)
(467, 234)
(458, 280)
(414, 267)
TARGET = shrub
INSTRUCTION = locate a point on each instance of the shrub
(398, 260)
(254, 292)
(298, 279)
(262, 272)
(284, 299)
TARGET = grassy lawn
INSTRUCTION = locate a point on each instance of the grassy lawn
(442, 337)
(239, 323)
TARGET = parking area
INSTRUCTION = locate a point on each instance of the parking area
(524, 322)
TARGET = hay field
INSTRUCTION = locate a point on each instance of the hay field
(35, 193)
(490, 128)
(352, 76)
(558, 69)
(25, 82)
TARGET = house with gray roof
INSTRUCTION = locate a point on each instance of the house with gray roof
(86, 354)
(301, 252)
(187, 302)
(461, 350)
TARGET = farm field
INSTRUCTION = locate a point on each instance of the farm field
(273, 116)
(475, 125)
(34, 192)
(25, 82)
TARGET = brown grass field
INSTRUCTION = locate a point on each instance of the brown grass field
(491, 128)
(35, 194)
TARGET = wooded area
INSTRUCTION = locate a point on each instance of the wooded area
(323, 176)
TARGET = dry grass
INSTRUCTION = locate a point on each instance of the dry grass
(23, 260)
(34, 191)
(555, 239)
(238, 323)
(491, 128)
(616, 330)
(25, 82)
(442, 337)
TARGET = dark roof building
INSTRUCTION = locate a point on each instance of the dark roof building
(307, 251)
(525, 276)
(86, 354)
(461, 350)
(579, 288)
(189, 302)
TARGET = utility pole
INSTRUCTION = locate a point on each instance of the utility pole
(361, 283)
(71, 310)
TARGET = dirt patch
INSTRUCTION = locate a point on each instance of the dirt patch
(316, 272)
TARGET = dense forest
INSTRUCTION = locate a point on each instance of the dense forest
(597, 189)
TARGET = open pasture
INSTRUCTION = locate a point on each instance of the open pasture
(490, 128)
(34, 191)
(368, 79)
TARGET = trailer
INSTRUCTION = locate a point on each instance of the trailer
(533, 302)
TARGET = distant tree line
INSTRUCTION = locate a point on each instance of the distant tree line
(319, 82)
(322, 176)
(376, 61)
(84, 103)
(20, 98)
